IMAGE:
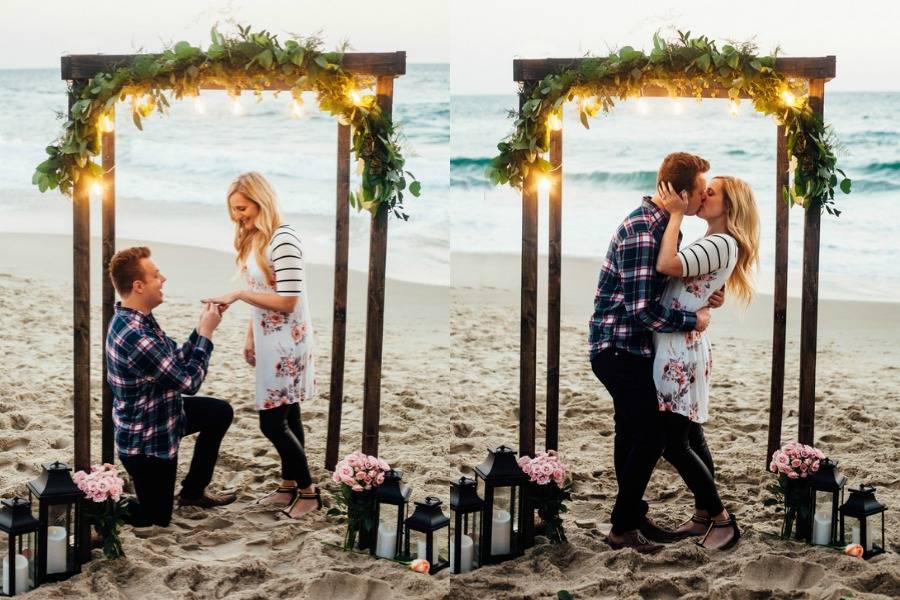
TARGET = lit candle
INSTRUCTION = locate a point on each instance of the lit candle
(855, 537)
(56, 549)
(466, 554)
(501, 529)
(21, 575)
(821, 529)
(387, 541)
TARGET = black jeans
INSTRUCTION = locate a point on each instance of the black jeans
(639, 432)
(154, 478)
(281, 425)
(687, 451)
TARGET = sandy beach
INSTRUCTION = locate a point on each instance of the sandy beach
(855, 423)
(238, 551)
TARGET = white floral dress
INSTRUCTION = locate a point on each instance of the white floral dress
(682, 361)
(283, 342)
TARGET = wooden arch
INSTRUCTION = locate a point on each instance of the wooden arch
(78, 69)
(816, 71)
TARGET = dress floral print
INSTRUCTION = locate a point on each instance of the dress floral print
(285, 365)
(682, 362)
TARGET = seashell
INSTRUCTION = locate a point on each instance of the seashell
(420, 565)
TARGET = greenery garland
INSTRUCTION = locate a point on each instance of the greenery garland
(246, 61)
(684, 67)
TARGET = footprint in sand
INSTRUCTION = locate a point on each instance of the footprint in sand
(461, 448)
(782, 572)
(462, 430)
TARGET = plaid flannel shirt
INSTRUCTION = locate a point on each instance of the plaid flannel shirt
(148, 372)
(626, 306)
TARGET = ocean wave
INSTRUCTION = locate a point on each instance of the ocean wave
(882, 167)
(468, 171)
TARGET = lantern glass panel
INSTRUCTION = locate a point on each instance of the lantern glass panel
(417, 547)
(503, 520)
(470, 534)
(60, 538)
(873, 532)
(389, 536)
(25, 564)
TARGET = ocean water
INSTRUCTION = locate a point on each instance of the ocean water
(172, 177)
(610, 166)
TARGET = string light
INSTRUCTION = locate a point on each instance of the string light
(788, 98)
(96, 192)
(733, 108)
(145, 105)
(544, 184)
(237, 108)
(296, 110)
(199, 105)
(589, 104)
(355, 98)
(642, 107)
(554, 122)
(106, 124)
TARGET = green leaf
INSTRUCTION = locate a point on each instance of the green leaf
(415, 188)
(845, 186)
(265, 58)
(136, 117)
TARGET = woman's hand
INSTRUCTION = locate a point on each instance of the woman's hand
(673, 202)
(250, 351)
(225, 300)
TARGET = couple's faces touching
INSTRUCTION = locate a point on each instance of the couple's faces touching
(706, 201)
(243, 210)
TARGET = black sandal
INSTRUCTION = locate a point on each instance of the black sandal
(292, 490)
(700, 520)
(285, 513)
(732, 523)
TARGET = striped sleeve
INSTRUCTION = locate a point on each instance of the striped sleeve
(707, 255)
(287, 261)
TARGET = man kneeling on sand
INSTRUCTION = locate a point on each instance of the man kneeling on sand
(148, 373)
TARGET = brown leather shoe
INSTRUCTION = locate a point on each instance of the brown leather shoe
(659, 534)
(208, 500)
(635, 540)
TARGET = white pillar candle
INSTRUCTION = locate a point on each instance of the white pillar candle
(57, 544)
(21, 574)
(501, 529)
(420, 552)
(387, 541)
(855, 537)
(466, 555)
(821, 532)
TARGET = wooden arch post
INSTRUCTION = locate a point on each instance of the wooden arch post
(77, 70)
(527, 73)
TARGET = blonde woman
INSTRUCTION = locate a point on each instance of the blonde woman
(682, 364)
(280, 339)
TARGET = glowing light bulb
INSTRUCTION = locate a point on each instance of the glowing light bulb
(733, 108)
(96, 192)
(554, 122)
(589, 104)
(237, 108)
(677, 108)
(106, 124)
(788, 97)
(544, 184)
(642, 107)
(199, 106)
(296, 110)
(355, 98)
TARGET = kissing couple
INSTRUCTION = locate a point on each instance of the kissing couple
(649, 346)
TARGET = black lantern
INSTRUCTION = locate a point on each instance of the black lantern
(21, 531)
(389, 541)
(59, 513)
(465, 521)
(428, 534)
(861, 505)
(826, 495)
(503, 521)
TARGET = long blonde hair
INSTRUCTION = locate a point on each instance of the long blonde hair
(742, 223)
(258, 190)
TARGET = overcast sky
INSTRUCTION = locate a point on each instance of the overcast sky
(479, 37)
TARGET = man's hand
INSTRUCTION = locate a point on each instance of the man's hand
(702, 319)
(718, 298)
(209, 320)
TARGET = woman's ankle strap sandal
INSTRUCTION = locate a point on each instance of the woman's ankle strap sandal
(292, 490)
(700, 519)
(285, 513)
(731, 522)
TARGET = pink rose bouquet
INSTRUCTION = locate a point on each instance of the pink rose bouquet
(358, 475)
(794, 463)
(549, 490)
(104, 504)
